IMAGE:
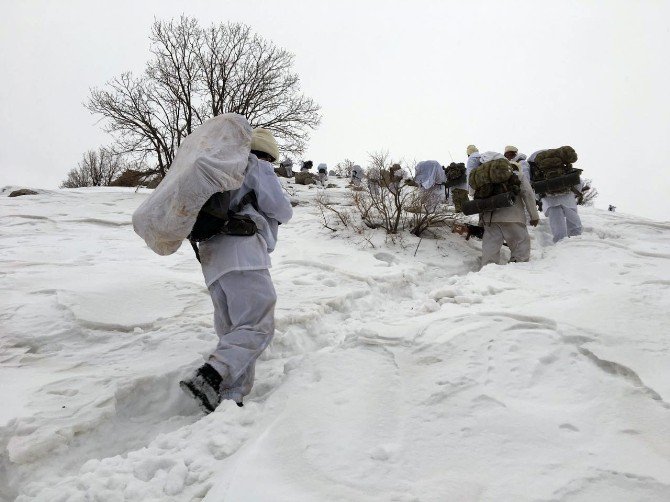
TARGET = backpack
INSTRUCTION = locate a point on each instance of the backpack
(493, 178)
(211, 161)
(216, 218)
(554, 165)
(455, 174)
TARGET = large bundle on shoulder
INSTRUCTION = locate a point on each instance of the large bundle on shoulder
(495, 186)
(455, 173)
(211, 160)
(552, 171)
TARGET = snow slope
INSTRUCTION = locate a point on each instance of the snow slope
(391, 376)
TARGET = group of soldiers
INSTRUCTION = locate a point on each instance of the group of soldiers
(509, 225)
(497, 227)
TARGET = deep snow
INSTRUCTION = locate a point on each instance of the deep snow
(391, 376)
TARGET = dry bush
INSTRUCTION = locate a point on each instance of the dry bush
(333, 215)
(589, 193)
(96, 168)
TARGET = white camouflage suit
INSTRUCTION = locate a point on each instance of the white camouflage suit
(236, 273)
(508, 224)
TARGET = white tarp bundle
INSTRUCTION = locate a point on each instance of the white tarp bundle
(429, 173)
(489, 156)
(211, 159)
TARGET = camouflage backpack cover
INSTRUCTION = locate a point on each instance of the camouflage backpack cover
(455, 173)
(553, 163)
(493, 178)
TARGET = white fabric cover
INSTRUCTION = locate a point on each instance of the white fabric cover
(211, 159)
(429, 173)
(488, 156)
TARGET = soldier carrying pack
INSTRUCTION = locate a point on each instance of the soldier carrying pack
(495, 185)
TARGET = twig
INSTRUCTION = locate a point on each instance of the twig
(417, 246)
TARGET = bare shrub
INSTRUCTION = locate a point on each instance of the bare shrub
(428, 213)
(331, 214)
(96, 168)
(344, 168)
(589, 193)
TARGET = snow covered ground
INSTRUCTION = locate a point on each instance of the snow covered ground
(392, 377)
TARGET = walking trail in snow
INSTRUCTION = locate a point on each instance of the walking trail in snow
(391, 377)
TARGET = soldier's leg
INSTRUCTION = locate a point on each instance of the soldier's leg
(491, 244)
(557, 223)
(250, 299)
(517, 238)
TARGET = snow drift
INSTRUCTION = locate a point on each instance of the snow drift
(391, 376)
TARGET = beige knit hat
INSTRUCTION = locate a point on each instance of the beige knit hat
(262, 140)
(510, 148)
(471, 149)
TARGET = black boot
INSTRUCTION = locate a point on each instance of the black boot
(203, 386)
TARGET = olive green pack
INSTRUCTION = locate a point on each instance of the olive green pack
(494, 177)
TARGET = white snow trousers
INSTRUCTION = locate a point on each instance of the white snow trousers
(564, 222)
(244, 304)
(516, 236)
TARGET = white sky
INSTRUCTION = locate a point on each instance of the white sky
(422, 79)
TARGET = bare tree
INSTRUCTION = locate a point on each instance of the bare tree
(194, 74)
(97, 168)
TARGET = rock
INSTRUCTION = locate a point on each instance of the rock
(133, 178)
(22, 191)
(305, 178)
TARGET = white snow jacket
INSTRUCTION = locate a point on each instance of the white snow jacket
(525, 166)
(225, 253)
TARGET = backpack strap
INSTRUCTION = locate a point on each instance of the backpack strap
(249, 198)
(194, 245)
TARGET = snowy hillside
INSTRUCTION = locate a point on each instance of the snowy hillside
(392, 377)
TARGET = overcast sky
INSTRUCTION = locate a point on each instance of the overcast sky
(422, 79)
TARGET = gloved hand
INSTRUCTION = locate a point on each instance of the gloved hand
(533, 223)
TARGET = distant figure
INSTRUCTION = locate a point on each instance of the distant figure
(287, 166)
(323, 173)
(357, 175)
(306, 166)
(430, 177)
(611, 208)
(512, 154)
(459, 193)
(374, 181)
(396, 175)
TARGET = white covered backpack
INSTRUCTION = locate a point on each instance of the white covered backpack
(211, 159)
